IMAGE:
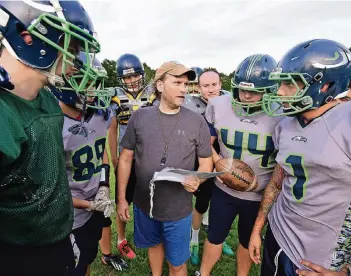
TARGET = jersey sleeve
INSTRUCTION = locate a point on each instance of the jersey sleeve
(276, 135)
(204, 142)
(210, 118)
(12, 137)
(339, 125)
(129, 139)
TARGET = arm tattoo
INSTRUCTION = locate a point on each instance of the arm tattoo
(270, 196)
(272, 190)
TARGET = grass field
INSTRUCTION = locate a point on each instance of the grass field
(140, 267)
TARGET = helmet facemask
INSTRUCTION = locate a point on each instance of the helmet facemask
(249, 109)
(96, 90)
(297, 103)
(133, 87)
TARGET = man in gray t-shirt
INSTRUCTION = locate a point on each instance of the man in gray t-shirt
(162, 211)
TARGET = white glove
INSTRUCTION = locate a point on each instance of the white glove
(103, 194)
(109, 209)
(98, 205)
(102, 202)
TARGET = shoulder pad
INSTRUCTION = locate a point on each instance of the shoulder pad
(194, 104)
(224, 92)
(149, 89)
(338, 122)
(119, 94)
(148, 93)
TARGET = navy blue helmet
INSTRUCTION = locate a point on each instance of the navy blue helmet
(99, 96)
(322, 66)
(252, 75)
(57, 29)
(128, 66)
(198, 71)
(193, 87)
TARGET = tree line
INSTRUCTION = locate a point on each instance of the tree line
(110, 66)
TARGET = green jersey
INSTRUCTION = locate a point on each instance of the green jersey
(35, 200)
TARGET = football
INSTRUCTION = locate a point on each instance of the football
(237, 174)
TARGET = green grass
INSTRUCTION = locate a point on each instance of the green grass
(140, 266)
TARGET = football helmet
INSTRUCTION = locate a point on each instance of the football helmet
(96, 97)
(193, 87)
(127, 66)
(252, 75)
(58, 30)
(321, 65)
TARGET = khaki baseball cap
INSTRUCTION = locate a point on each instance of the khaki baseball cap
(174, 69)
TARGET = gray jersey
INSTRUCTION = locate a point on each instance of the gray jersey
(246, 138)
(124, 104)
(311, 219)
(84, 152)
(197, 103)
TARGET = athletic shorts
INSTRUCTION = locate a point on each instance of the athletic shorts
(272, 253)
(174, 235)
(203, 196)
(87, 239)
(130, 187)
(54, 259)
(223, 211)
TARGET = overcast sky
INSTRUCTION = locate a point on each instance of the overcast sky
(214, 33)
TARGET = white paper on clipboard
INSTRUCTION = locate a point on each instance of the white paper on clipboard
(179, 175)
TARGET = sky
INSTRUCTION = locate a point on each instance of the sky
(213, 33)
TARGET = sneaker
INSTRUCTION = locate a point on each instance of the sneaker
(197, 273)
(227, 250)
(115, 261)
(194, 250)
(125, 250)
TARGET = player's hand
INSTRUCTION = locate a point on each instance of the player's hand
(99, 206)
(103, 194)
(320, 271)
(255, 248)
(123, 210)
(191, 184)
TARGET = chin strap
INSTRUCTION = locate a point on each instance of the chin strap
(53, 79)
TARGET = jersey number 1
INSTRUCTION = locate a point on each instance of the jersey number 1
(298, 190)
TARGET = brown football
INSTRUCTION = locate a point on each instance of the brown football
(238, 175)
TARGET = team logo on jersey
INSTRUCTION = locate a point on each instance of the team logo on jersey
(299, 139)
(249, 121)
(80, 129)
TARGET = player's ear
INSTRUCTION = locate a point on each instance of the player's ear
(160, 86)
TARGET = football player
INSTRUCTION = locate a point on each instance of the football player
(40, 41)
(310, 219)
(210, 85)
(193, 86)
(132, 94)
(84, 137)
(244, 132)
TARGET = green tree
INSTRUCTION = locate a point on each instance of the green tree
(110, 66)
(225, 82)
(149, 72)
